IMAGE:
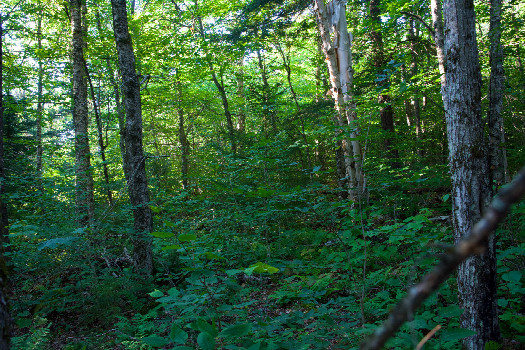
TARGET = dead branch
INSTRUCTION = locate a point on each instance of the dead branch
(470, 246)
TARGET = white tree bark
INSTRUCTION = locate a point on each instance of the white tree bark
(332, 19)
(469, 169)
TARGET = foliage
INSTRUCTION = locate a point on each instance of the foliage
(260, 250)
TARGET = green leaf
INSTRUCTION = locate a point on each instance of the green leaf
(187, 237)
(255, 346)
(206, 341)
(233, 272)
(211, 256)
(55, 242)
(178, 335)
(512, 276)
(174, 246)
(156, 294)
(155, 341)
(162, 234)
(203, 326)
(237, 330)
(455, 334)
(260, 267)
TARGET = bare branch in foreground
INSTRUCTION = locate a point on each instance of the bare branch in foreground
(471, 245)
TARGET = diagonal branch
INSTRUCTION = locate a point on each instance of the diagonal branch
(413, 15)
(468, 247)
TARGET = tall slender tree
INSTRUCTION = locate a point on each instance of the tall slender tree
(137, 178)
(5, 318)
(338, 56)
(85, 202)
(497, 153)
(469, 169)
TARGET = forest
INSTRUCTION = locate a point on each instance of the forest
(262, 174)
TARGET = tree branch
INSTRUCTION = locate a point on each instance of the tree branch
(472, 245)
(413, 15)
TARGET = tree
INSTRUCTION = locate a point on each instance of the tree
(5, 318)
(378, 58)
(469, 170)
(137, 178)
(85, 201)
(339, 60)
(497, 153)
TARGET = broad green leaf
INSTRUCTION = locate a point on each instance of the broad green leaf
(233, 272)
(456, 334)
(503, 302)
(260, 267)
(237, 330)
(212, 256)
(512, 276)
(203, 326)
(177, 335)
(255, 346)
(162, 234)
(155, 341)
(156, 294)
(187, 237)
(451, 311)
(55, 242)
(174, 246)
(206, 341)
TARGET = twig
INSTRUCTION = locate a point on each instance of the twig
(413, 15)
(472, 245)
(427, 337)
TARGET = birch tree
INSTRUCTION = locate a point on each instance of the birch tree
(331, 19)
(469, 169)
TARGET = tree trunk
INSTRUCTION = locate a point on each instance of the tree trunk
(378, 57)
(137, 179)
(183, 139)
(5, 318)
(121, 115)
(241, 114)
(339, 61)
(85, 201)
(220, 87)
(268, 112)
(469, 170)
(439, 38)
(415, 109)
(497, 153)
(101, 145)
(39, 106)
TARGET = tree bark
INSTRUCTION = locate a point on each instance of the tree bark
(137, 179)
(268, 111)
(378, 57)
(469, 170)
(85, 202)
(439, 37)
(497, 152)
(339, 60)
(121, 115)
(39, 106)
(183, 139)
(241, 114)
(101, 145)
